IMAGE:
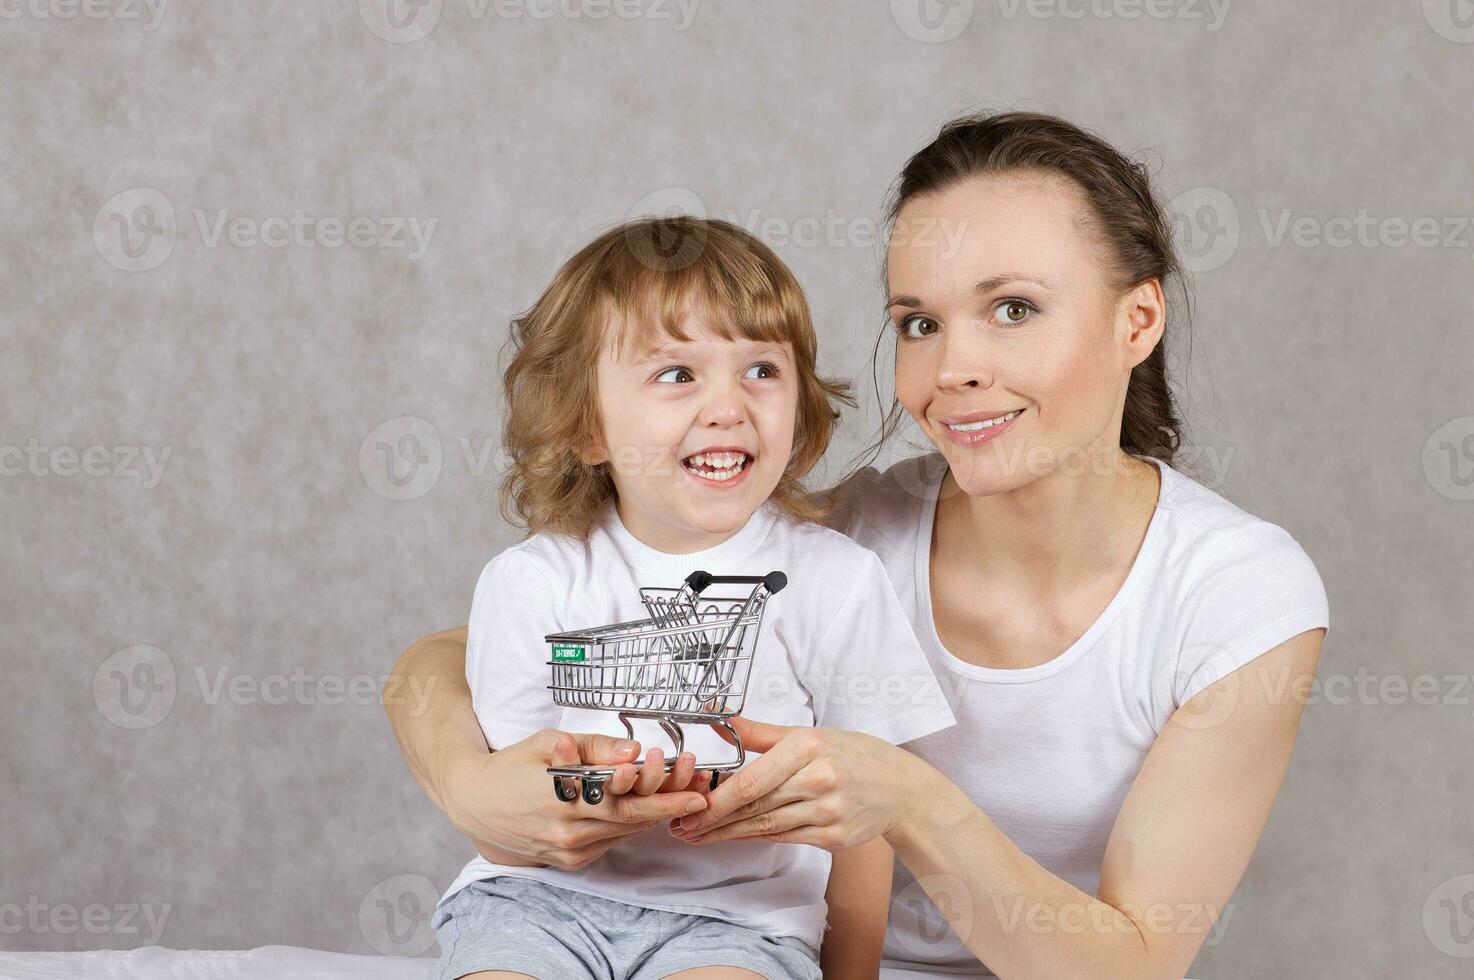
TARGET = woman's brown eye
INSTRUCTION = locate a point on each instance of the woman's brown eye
(1015, 312)
(918, 326)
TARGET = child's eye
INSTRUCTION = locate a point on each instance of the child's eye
(1011, 312)
(917, 325)
(677, 375)
(764, 371)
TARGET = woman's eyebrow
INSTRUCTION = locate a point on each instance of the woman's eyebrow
(988, 285)
(994, 282)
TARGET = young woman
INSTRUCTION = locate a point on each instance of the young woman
(1124, 650)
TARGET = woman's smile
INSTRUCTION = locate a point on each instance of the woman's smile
(977, 428)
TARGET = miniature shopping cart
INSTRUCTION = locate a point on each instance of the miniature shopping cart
(687, 664)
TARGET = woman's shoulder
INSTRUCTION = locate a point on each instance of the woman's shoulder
(1215, 552)
(1208, 522)
(881, 499)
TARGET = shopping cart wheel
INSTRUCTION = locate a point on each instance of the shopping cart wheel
(716, 777)
(566, 790)
(592, 792)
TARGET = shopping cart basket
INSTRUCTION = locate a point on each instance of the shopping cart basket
(687, 664)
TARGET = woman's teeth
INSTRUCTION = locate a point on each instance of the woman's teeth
(986, 423)
(716, 466)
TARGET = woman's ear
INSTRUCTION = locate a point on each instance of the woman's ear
(1145, 313)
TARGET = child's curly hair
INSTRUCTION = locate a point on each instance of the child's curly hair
(634, 278)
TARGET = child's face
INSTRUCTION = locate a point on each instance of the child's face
(696, 433)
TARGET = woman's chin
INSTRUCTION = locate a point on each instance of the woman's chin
(983, 472)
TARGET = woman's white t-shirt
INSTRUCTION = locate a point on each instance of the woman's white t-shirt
(835, 649)
(1049, 752)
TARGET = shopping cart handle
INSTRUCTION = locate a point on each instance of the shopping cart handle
(775, 581)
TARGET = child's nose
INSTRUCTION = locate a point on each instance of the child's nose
(723, 410)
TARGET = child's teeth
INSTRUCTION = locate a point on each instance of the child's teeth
(717, 466)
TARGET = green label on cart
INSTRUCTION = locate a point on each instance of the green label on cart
(568, 653)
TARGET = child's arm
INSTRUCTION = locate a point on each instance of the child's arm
(859, 897)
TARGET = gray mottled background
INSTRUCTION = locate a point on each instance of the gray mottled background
(207, 564)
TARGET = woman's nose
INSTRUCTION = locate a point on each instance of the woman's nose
(965, 361)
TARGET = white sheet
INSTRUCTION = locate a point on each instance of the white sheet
(158, 963)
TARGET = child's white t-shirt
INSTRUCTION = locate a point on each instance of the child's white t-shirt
(835, 650)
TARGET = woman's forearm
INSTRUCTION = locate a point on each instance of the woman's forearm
(429, 706)
(1017, 917)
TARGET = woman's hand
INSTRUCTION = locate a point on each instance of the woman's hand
(504, 800)
(822, 786)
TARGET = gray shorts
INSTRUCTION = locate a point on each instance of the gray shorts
(527, 926)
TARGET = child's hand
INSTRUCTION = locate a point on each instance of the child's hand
(504, 801)
(652, 777)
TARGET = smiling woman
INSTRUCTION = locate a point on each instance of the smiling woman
(1115, 640)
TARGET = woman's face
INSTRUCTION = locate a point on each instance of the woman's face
(1012, 352)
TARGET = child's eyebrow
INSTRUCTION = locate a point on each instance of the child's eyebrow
(655, 353)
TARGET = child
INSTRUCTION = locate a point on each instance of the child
(663, 406)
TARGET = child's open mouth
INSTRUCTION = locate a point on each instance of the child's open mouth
(717, 466)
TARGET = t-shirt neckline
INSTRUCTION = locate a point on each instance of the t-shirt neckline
(670, 569)
(1018, 675)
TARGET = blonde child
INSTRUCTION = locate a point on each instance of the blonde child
(663, 406)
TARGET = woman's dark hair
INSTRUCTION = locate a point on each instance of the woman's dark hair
(1135, 228)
